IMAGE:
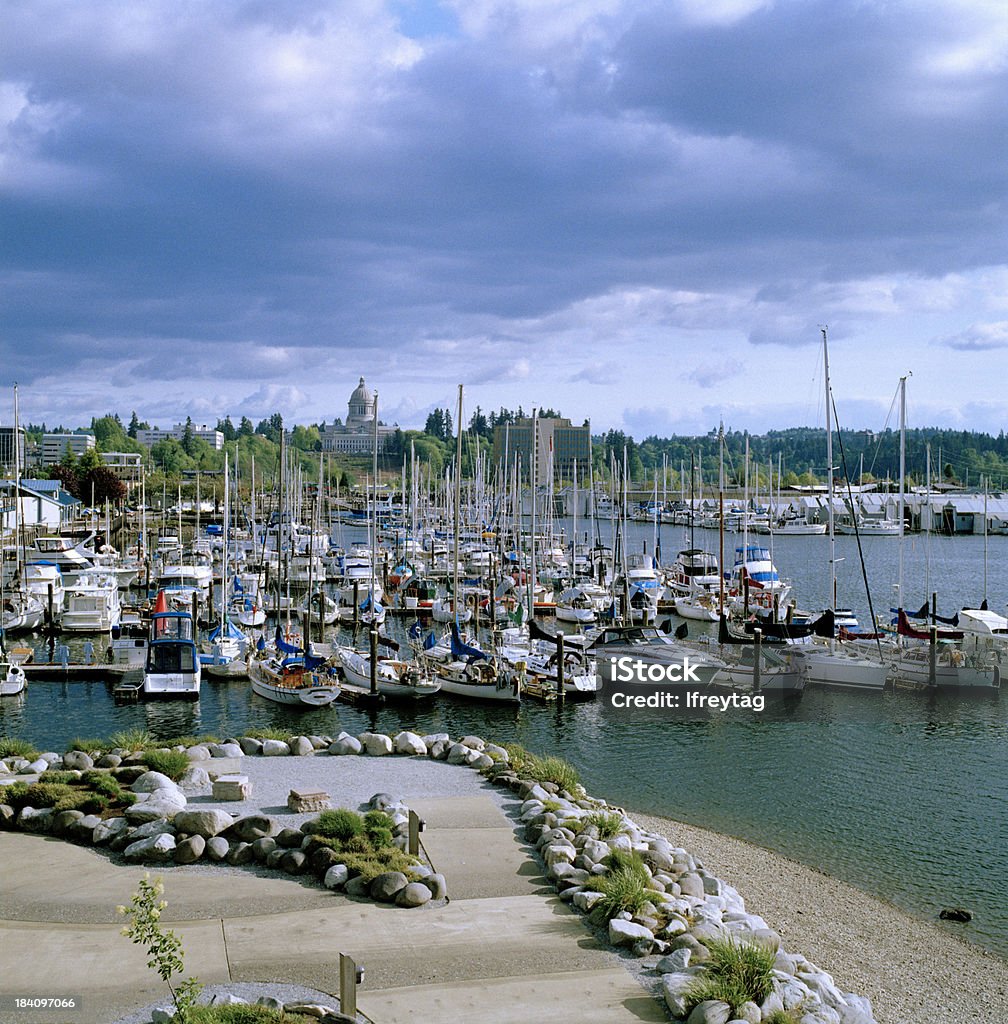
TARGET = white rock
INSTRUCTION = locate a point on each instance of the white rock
(225, 750)
(626, 933)
(155, 848)
(409, 743)
(376, 744)
(206, 823)
(710, 1011)
(345, 744)
(275, 748)
(107, 830)
(586, 899)
(336, 877)
(151, 781)
(301, 746)
(675, 989)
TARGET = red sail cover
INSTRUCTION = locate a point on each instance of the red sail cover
(161, 603)
(904, 628)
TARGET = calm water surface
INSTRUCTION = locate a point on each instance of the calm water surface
(903, 795)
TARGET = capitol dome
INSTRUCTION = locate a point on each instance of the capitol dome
(361, 407)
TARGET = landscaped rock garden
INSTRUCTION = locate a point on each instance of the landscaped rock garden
(711, 961)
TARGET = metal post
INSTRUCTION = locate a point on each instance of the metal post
(195, 611)
(356, 605)
(933, 656)
(416, 826)
(757, 651)
(374, 661)
(350, 975)
(560, 666)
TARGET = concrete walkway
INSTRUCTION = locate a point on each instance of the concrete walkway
(503, 949)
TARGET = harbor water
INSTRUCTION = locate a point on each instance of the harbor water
(902, 794)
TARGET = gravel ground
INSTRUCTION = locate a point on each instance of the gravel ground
(911, 970)
(350, 781)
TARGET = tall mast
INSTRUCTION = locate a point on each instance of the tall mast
(533, 481)
(721, 520)
(902, 478)
(829, 471)
(458, 499)
(374, 514)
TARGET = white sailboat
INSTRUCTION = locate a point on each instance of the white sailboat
(831, 662)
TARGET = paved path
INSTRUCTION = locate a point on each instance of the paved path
(503, 949)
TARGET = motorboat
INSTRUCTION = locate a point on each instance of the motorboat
(173, 665)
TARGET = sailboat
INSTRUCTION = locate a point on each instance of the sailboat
(832, 662)
(922, 658)
(226, 648)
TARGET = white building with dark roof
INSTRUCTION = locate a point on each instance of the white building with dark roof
(355, 435)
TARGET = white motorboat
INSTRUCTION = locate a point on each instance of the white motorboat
(467, 671)
(173, 665)
(92, 604)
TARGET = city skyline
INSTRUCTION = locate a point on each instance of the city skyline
(639, 215)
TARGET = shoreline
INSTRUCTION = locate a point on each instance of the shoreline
(910, 969)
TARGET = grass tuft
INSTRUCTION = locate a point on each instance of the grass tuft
(737, 973)
(249, 1014)
(172, 763)
(131, 739)
(625, 886)
(88, 746)
(12, 746)
(268, 733)
(341, 824)
(607, 823)
(541, 769)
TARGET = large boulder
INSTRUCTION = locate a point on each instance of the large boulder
(387, 886)
(105, 831)
(188, 851)
(154, 849)
(376, 744)
(301, 746)
(710, 1011)
(253, 827)
(409, 743)
(217, 848)
(626, 933)
(275, 748)
(77, 759)
(151, 781)
(225, 750)
(336, 877)
(413, 894)
(205, 823)
(165, 803)
(345, 744)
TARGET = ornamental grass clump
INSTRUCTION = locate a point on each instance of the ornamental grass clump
(248, 1014)
(131, 739)
(540, 769)
(172, 763)
(736, 973)
(624, 887)
(341, 824)
(606, 823)
(12, 746)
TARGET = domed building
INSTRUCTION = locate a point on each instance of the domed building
(355, 435)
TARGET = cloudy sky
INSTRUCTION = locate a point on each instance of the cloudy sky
(637, 212)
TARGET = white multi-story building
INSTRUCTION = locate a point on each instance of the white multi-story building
(212, 436)
(55, 446)
(355, 435)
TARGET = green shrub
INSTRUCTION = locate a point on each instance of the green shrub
(172, 763)
(11, 746)
(625, 886)
(14, 794)
(341, 824)
(737, 973)
(131, 739)
(66, 778)
(378, 828)
(48, 794)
